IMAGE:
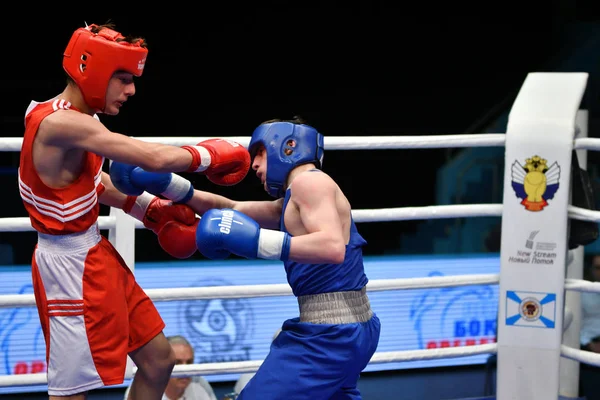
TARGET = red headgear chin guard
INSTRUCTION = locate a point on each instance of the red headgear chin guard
(91, 59)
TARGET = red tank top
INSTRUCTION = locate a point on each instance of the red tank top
(71, 209)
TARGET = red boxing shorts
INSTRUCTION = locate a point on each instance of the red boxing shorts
(92, 311)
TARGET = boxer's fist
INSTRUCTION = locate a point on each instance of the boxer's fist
(224, 162)
(133, 181)
(162, 211)
(155, 212)
(222, 232)
(120, 176)
(177, 239)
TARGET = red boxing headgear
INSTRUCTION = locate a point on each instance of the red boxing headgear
(91, 59)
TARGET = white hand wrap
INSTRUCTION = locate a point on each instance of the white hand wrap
(178, 189)
(273, 245)
(139, 208)
(205, 158)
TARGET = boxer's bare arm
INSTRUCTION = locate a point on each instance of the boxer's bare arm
(69, 129)
(266, 213)
(315, 197)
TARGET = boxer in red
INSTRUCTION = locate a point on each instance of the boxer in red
(92, 311)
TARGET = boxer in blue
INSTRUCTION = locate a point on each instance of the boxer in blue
(321, 353)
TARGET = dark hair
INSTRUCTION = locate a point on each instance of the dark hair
(129, 39)
(295, 120)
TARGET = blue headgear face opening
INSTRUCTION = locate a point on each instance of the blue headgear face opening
(287, 145)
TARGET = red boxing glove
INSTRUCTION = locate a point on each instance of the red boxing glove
(177, 239)
(224, 162)
(155, 212)
(174, 224)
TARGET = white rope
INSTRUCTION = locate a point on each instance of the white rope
(370, 142)
(413, 142)
(583, 214)
(11, 143)
(280, 289)
(251, 366)
(378, 358)
(428, 212)
(357, 142)
(336, 142)
(454, 211)
(22, 224)
(587, 144)
(23, 379)
(586, 357)
(579, 285)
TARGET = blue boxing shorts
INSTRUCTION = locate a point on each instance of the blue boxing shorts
(310, 361)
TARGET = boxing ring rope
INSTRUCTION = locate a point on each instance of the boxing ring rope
(379, 358)
(120, 222)
(22, 224)
(270, 290)
(252, 366)
(13, 144)
(336, 142)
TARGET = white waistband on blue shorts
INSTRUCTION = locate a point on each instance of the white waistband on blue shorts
(70, 243)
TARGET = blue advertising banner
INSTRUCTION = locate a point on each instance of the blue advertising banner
(242, 329)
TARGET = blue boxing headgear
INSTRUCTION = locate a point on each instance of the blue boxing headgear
(287, 145)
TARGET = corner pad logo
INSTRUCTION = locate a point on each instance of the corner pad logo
(535, 182)
(530, 309)
(218, 329)
(534, 251)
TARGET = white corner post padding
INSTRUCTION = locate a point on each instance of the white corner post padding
(539, 143)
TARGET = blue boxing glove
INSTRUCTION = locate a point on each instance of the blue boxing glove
(222, 232)
(166, 184)
(120, 176)
(133, 181)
